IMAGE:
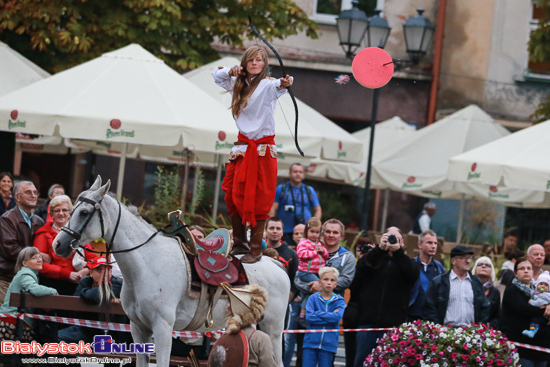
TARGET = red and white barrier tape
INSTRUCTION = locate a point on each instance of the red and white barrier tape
(533, 347)
(97, 324)
(191, 334)
(332, 330)
(188, 334)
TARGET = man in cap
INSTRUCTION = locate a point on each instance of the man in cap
(456, 298)
(242, 344)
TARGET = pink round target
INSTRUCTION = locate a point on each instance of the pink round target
(372, 67)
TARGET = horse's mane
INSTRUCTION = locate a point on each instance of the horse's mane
(131, 208)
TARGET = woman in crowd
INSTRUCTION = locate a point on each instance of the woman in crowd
(43, 211)
(6, 185)
(517, 313)
(362, 246)
(29, 263)
(485, 271)
(506, 274)
(58, 272)
(198, 232)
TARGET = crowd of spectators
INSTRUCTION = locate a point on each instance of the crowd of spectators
(373, 285)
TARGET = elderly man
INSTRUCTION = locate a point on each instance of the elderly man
(17, 228)
(424, 220)
(535, 255)
(457, 298)
(381, 290)
(429, 268)
(295, 202)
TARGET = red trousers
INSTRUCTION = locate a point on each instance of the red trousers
(265, 188)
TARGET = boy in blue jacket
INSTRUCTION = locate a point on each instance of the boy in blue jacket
(324, 310)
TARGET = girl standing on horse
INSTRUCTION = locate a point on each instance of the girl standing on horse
(251, 179)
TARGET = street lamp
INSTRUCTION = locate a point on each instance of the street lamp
(418, 32)
(351, 23)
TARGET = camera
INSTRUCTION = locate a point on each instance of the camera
(289, 208)
(392, 239)
(363, 249)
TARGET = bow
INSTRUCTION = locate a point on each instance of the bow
(288, 88)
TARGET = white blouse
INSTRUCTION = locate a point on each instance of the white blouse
(256, 119)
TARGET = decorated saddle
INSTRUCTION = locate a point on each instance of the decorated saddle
(210, 256)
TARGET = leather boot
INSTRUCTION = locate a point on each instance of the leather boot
(256, 236)
(239, 245)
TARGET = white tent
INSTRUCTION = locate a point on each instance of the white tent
(518, 161)
(124, 96)
(317, 135)
(16, 71)
(418, 164)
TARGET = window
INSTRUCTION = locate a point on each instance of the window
(326, 11)
(537, 69)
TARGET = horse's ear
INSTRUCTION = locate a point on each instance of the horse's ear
(104, 189)
(96, 185)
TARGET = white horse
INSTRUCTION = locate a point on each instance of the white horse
(154, 294)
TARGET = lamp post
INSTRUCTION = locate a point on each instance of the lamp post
(350, 24)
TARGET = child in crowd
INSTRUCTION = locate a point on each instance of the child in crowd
(541, 298)
(324, 311)
(27, 266)
(311, 257)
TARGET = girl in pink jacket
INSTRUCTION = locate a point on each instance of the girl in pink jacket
(311, 257)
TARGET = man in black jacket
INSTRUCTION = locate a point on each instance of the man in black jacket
(381, 290)
(456, 298)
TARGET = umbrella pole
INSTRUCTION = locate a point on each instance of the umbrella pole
(185, 178)
(385, 210)
(217, 187)
(460, 219)
(121, 167)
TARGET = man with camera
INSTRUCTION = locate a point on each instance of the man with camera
(380, 291)
(293, 202)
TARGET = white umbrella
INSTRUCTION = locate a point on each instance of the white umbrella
(418, 164)
(318, 136)
(519, 161)
(124, 96)
(16, 71)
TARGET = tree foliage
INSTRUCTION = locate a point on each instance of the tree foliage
(539, 49)
(57, 34)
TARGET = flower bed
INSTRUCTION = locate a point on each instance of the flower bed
(422, 343)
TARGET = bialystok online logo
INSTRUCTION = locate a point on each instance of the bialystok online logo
(102, 344)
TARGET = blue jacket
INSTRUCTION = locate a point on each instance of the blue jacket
(322, 316)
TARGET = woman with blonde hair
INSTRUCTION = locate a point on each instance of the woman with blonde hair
(251, 179)
(29, 263)
(485, 271)
(59, 272)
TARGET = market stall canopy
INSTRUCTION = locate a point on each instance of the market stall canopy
(128, 96)
(16, 71)
(517, 161)
(418, 164)
(318, 136)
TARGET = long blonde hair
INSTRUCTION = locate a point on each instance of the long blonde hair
(242, 90)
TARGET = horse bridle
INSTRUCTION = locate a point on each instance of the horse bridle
(75, 243)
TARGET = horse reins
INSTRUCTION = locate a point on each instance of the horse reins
(78, 235)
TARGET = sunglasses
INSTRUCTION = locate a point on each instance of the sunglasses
(484, 265)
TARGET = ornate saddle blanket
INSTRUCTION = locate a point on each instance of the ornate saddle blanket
(209, 257)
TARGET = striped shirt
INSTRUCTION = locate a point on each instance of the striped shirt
(460, 310)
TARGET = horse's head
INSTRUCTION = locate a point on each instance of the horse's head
(87, 222)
